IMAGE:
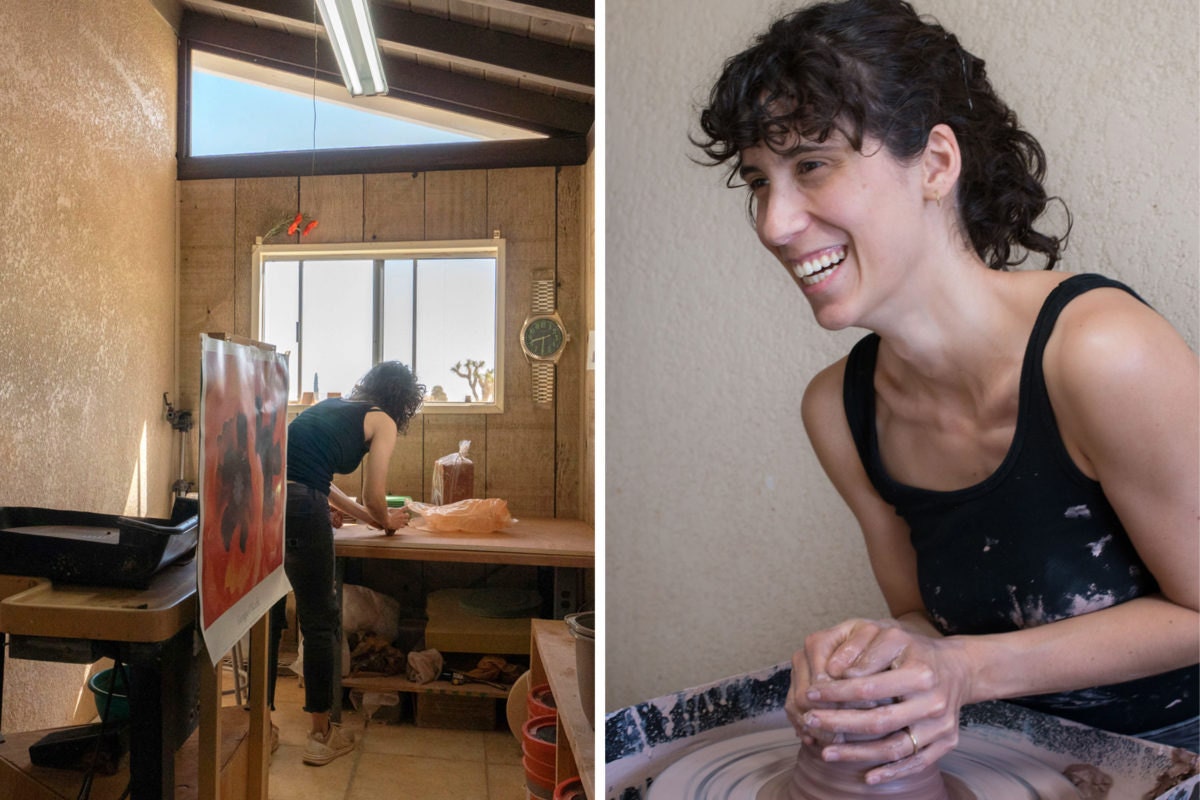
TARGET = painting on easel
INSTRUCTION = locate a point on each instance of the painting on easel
(243, 445)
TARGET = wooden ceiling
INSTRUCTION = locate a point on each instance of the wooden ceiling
(527, 63)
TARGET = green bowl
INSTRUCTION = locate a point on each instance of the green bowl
(118, 706)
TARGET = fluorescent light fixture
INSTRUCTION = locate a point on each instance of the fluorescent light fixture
(348, 23)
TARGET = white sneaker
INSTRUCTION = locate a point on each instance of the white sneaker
(321, 750)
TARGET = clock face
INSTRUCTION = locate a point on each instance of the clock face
(543, 337)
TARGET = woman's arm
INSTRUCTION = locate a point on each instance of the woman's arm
(347, 504)
(1126, 393)
(380, 431)
(831, 652)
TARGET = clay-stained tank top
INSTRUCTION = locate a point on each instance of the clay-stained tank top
(1035, 542)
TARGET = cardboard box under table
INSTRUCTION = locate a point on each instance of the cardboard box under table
(454, 628)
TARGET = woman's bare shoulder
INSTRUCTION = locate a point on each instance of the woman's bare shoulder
(824, 393)
(1109, 332)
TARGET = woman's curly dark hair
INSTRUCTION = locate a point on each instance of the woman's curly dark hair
(391, 386)
(874, 68)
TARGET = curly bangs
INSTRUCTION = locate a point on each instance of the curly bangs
(791, 85)
(875, 69)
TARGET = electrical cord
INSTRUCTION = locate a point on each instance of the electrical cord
(85, 789)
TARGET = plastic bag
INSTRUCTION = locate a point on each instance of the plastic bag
(424, 666)
(478, 515)
(453, 477)
(364, 609)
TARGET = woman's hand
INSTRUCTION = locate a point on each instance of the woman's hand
(812, 665)
(396, 518)
(870, 690)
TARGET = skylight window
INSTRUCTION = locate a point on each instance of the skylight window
(239, 107)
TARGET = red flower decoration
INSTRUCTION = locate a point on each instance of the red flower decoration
(308, 228)
(295, 224)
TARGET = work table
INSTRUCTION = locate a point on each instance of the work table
(536, 541)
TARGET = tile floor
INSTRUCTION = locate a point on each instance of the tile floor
(393, 761)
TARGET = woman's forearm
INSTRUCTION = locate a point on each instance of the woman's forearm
(348, 505)
(1132, 640)
(376, 506)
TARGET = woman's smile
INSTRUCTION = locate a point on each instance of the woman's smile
(816, 267)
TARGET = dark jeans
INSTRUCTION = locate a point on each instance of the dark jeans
(309, 564)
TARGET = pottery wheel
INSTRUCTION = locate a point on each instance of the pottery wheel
(758, 766)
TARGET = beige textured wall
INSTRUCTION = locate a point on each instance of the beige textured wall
(725, 542)
(87, 277)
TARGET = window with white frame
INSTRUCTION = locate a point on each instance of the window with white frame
(338, 309)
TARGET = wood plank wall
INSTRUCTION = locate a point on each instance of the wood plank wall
(532, 456)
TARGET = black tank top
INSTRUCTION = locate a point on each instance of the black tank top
(1035, 542)
(326, 439)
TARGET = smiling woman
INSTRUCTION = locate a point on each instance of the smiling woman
(967, 438)
(970, 431)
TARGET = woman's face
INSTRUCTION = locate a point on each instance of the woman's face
(845, 225)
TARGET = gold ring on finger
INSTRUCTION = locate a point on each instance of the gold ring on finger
(912, 737)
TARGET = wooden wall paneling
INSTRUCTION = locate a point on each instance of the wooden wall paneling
(443, 432)
(336, 202)
(259, 203)
(456, 205)
(394, 207)
(514, 452)
(408, 460)
(588, 223)
(206, 307)
(205, 275)
(521, 203)
(568, 438)
(206, 270)
(520, 466)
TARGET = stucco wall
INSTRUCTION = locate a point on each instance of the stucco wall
(725, 541)
(87, 277)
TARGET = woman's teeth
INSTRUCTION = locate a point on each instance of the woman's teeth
(815, 270)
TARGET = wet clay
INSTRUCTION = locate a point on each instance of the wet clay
(815, 779)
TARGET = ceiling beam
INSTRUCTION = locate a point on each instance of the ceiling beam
(400, 31)
(568, 12)
(411, 158)
(535, 111)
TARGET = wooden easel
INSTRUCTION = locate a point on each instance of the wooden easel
(258, 740)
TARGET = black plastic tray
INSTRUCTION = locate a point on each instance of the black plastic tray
(97, 549)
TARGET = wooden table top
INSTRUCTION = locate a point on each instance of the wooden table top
(37, 607)
(536, 541)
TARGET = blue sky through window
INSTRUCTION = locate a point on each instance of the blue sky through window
(235, 116)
